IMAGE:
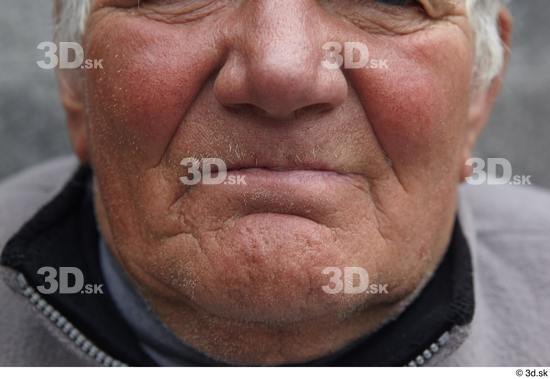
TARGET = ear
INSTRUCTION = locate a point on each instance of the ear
(71, 96)
(484, 98)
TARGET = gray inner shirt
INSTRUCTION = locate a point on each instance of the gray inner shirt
(156, 340)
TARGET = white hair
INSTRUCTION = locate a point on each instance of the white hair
(70, 19)
(489, 47)
(72, 15)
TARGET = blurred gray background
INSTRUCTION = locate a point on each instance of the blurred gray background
(32, 123)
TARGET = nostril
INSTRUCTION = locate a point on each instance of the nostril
(246, 109)
(314, 109)
(253, 110)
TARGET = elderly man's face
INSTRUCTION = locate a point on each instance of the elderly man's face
(342, 168)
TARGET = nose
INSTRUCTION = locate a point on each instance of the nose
(274, 63)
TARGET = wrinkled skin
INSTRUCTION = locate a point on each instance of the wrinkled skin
(343, 167)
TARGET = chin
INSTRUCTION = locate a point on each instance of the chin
(268, 268)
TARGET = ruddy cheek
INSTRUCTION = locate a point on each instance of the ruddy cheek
(150, 79)
(407, 113)
(417, 106)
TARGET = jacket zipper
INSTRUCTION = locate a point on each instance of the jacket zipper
(422, 358)
(66, 327)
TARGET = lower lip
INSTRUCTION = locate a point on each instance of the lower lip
(290, 178)
(308, 194)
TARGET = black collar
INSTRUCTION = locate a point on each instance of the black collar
(64, 234)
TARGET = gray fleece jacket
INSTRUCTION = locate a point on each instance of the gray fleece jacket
(506, 227)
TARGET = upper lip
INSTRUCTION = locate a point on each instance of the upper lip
(318, 165)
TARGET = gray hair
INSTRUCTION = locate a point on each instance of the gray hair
(71, 16)
(70, 19)
(489, 46)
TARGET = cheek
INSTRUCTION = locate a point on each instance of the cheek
(138, 101)
(418, 107)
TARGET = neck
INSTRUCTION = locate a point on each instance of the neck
(258, 343)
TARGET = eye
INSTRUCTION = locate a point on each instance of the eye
(160, 2)
(391, 3)
(170, 2)
(398, 3)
